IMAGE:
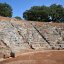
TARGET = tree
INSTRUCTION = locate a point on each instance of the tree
(45, 13)
(56, 12)
(5, 10)
(18, 18)
(36, 13)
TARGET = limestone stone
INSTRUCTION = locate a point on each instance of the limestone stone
(19, 35)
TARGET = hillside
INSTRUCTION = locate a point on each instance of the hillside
(25, 36)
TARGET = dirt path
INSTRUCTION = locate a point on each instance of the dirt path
(38, 57)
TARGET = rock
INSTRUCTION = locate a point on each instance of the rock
(16, 35)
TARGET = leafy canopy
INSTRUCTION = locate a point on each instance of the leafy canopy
(43, 13)
(5, 10)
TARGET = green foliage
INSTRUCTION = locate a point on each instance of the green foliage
(61, 20)
(5, 10)
(56, 12)
(18, 18)
(36, 13)
(42, 13)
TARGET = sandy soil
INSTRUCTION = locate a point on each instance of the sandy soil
(37, 57)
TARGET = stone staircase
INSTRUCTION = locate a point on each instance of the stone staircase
(23, 35)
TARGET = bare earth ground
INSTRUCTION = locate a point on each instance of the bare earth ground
(37, 57)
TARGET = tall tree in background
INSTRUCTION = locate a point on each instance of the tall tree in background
(44, 13)
(36, 13)
(56, 12)
(5, 10)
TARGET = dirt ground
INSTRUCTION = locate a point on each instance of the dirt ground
(37, 57)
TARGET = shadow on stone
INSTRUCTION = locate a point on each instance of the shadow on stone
(12, 54)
